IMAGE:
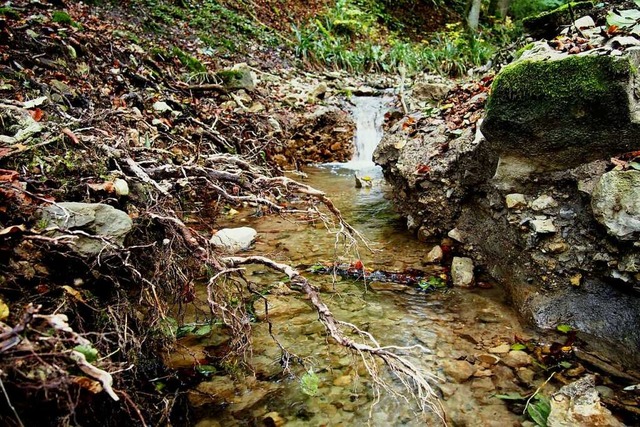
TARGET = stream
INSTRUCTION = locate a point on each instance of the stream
(463, 329)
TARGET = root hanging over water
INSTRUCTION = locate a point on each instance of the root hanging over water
(416, 382)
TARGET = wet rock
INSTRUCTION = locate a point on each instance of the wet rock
(435, 255)
(515, 201)
(482, 386)
(525, 375)
(578, 404)
(273, 419)
(233, 240)
(431, 91)
(616, 203)
(281, 306)
(458, 370)
(95, 218)
(240, 396)
(387, 286)
(501, 349)
(517, 359)
(462, 272)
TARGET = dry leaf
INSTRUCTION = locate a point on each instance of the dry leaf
(72, 136)
(36, 114)
(88, 384)
(4, 310)
(105, 186)
(74, 293)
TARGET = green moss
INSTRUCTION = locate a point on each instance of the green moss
(9, 12)
(229, 76)
(522, 50)
(61, 17)
(561, 86)
(192, 63)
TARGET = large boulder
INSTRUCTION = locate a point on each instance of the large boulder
(104, 223)
(551, 111)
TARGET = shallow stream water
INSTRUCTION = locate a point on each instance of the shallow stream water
(459, 327)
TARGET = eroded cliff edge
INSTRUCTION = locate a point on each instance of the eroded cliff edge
(544, 194)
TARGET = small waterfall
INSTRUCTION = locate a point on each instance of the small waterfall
(368, 113)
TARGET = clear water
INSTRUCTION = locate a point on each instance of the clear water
(452, 324)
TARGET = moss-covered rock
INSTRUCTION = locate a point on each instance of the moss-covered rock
(238, 77)
(562, 111)
(546, 24)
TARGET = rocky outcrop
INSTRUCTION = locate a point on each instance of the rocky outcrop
(532, 195)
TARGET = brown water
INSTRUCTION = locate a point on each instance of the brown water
(454, 324)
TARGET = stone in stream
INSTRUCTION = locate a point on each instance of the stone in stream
(435, 254)
(233, 240)
(517, 359)
(458, 370)
(462, 272)
(515, 201)
(578, 404)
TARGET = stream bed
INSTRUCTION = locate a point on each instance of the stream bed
(463, 329)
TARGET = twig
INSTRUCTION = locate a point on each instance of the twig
(6, 395)
(524, 411)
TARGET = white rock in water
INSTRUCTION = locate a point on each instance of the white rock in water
(456, 235)
(435, 254)
(233, 240)
(462, 272)
(578, 404)
(585, 22)
(121, 187)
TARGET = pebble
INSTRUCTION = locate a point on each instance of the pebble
(543, 202)
(525, 375)
(456, 235)
(488, 359)
(458, 370)
(543, 226)
(462, 272)
(501, 349)
(517, 359)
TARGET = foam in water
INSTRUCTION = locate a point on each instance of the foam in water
(368, 113)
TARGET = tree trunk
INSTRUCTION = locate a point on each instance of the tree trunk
(473, 18)
(503, 7)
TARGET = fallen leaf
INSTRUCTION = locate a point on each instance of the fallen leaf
(4, 310)
(423, 169)
(358, 265)
(36, 114)
(8, 175)
(74, 293)
(105, 186)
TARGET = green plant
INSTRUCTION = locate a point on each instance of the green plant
(434, 282)
(309, 383)
(9, 12)
(61, 17)
(193, 64)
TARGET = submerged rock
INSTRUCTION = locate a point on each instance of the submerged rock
(462, 272)
(233, 240)
(100, 220)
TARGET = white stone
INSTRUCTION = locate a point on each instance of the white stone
(543, 202)
(121, 187)
(515, 201)
(585, 22)
(456, 235)
(543, 226)
(462, 272)
(233, 240)
(161, 107)
(615, 202)
(435, 254)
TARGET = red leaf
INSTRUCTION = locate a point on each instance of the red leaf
(36, 114)
(358, 265)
